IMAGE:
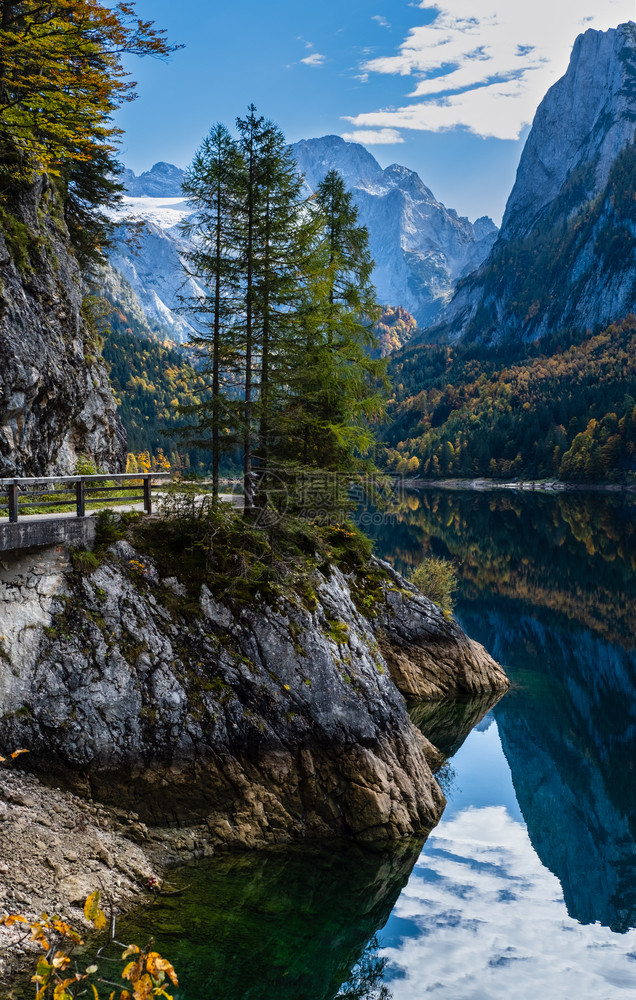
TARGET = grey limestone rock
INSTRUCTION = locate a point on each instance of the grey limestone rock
(56, 403)
(262, 723)
(564, 257)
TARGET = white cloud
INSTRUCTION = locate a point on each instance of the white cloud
(315, 59)
(486, 71)
(369, 137)
(382, 21)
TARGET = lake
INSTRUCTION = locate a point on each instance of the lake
(527, 887)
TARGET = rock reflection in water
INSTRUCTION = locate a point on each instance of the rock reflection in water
(287, 924)
(447, 724)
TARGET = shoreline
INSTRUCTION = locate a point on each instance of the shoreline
(527, 486)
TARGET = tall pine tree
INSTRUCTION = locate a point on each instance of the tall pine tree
(213, 185)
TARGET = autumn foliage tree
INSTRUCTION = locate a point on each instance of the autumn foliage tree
(61, 80)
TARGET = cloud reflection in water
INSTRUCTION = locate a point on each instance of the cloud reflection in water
(482, 919)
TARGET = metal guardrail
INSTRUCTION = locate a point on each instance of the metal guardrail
(25, 495)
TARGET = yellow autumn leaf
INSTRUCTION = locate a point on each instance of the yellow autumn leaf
(143, 988)
(157, 965)
(37, 934)
(93, 912)
(61, 993)
(132, 949)
(132, 971)
(16, 753)
(12, 919)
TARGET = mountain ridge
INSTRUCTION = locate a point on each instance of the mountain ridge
(564, 257)
(421, 248)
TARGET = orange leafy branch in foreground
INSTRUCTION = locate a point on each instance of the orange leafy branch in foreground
(147, 974)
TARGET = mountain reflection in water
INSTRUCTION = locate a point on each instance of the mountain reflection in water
(547, 585)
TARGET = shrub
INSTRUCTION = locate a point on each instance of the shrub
(437, 580)
(84, 562)
(57, 975)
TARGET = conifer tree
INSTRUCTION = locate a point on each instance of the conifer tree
(212, 185)
(288, 307)
(338, 391)
(280, 253)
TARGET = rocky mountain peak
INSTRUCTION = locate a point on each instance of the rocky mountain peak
(564, 258)
(584, 120)
(355, 164)
(163, 180)
(420, 247)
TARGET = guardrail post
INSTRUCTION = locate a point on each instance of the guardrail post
(148, 494)
(12, 490)
(80, 497)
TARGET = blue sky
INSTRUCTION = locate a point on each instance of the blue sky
(445, 88)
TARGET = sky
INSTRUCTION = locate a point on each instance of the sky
(448, 89)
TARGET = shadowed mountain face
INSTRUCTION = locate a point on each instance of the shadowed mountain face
(548, 586)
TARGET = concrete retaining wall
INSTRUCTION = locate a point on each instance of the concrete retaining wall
(56, 531)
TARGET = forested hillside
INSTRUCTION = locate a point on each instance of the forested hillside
(152, 381)
(566, 412)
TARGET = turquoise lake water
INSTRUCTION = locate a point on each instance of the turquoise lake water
(527, 887)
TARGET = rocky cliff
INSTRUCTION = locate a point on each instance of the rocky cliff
(55, 400)
(264, 723)
(165, 719)
(564, 258)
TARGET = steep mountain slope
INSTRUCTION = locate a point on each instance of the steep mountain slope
(56, 405)
(420, 248)
(564, 258)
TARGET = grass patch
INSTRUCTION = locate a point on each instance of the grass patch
(339, 633)
(84, 561)
(207, 542)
